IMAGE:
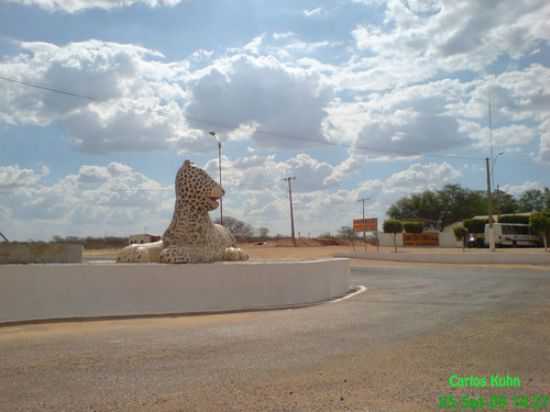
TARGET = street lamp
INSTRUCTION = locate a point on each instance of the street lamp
(220, 168)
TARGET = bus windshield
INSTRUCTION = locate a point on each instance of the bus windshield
(515, 230)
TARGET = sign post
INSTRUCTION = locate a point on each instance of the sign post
(366, 225)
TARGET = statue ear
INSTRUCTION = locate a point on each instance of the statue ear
(187, 163)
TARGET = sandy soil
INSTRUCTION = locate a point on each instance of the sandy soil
(311, 249)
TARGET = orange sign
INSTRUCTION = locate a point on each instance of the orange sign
(365, 225)
(421, 239)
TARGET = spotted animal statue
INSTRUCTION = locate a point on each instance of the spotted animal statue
(191, 236)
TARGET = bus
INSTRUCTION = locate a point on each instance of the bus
(512, 234)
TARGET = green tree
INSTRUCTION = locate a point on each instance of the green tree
(546, 198)
(531, 200)
(451, 204)
(540, 224)
(395, 227)
(505, 202)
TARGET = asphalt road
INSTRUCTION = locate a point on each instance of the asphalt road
(391, 348)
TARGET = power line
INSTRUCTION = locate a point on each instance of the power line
(329, 143)
(50, 89)
(220, 125)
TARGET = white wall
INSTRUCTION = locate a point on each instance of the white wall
(448, 239)
(386, 239)
(52, 291)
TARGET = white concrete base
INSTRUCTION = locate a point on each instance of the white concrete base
(72, 291)
(13, 253)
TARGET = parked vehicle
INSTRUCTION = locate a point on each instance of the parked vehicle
(512, 234)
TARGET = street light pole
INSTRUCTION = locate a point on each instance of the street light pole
(490, 207)
(220, 170)
(363, 200)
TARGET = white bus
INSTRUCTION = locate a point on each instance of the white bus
(512, 234)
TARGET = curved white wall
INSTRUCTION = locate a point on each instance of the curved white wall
(52, 291)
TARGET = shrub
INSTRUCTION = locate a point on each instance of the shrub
(460, 232)
(413, 227)
(514, 219)
(395, 227)
(392, 226)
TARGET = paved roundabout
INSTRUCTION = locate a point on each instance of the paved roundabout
(392, 348)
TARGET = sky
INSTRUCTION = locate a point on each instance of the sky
(355, 98)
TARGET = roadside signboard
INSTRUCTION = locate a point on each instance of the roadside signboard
(421, 239)
(365, 225)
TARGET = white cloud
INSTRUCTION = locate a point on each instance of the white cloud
(285, 103)
(313, 12)
(422, 38)
(72, 6)
(137, 97)
(256, 173)
(12, 177)
(141, 102)
(283, 36)
(518, 189)
(117, 199)
(114, 199)
(544, 151)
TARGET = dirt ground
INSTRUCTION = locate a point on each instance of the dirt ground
(313, 249)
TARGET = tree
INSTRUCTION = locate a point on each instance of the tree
(461, 234)
(540, 224)
(347, 233)
(395, 227)
(263, 232)
(450, 204)
(505, 202)
(239, 229)
(531, 200)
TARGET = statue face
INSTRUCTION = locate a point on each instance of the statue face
(196, 188)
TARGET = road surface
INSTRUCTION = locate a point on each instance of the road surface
(391, 348)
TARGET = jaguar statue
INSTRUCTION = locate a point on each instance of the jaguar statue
(191, 236)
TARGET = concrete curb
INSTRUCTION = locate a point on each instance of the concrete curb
(95, 291)
(464, 258)
(354, 291)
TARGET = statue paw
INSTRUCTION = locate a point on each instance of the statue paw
(234, 254)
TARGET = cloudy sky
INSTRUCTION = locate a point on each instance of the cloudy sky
(356, 98)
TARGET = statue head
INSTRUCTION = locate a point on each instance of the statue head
(196, 188)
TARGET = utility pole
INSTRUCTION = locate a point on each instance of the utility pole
(220, 169)
(363, 200)
(289, 180)
(490, 207)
